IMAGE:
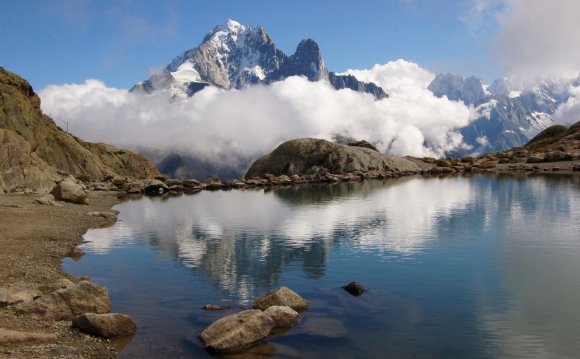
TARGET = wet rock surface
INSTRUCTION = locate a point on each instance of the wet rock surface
(281, 297)
(237, 331)
(107, 325)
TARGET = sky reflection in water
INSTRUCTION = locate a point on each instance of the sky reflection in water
(457, 267)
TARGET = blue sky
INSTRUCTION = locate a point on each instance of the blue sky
(120, 42)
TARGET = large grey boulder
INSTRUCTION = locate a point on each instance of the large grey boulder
(301, 156)
(69, 190)
(67, 303)
(107, 325)
(282, 297)
(237, 331)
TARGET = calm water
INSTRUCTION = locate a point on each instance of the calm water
(456, 268)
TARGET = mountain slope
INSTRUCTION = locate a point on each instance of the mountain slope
(233, 56)
(34, 149)
(507, 116)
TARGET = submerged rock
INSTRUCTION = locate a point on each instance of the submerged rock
(237, 331)
(354, 288)
(107, 325)
(282, 297)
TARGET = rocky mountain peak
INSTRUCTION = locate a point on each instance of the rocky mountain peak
(233, 55)
(307, 61)
(469, 90)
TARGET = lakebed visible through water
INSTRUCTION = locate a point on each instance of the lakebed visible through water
(457, 267)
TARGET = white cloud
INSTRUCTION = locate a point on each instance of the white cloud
(214, 124)
(569, 112)
(536, 38)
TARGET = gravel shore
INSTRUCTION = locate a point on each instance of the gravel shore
(34, 239)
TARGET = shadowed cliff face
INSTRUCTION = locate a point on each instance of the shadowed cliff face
(34, 148)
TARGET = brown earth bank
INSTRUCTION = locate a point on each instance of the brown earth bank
(34, 239)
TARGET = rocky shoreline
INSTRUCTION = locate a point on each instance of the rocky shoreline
(34, 239)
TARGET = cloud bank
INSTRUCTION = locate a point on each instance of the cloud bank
(222, 126)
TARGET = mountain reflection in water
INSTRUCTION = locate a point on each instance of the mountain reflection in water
(481, 267)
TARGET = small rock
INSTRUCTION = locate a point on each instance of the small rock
(354, 288)
(212, 307)
(107, 325)
(283, 297)
(284, 317)
(237, 331)
(8, 336)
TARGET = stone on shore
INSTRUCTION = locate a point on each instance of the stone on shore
(283, 297)
(284, 317)
(156, 187)
(67, 303)
(237, 331)
(109, 325)
(68, 190)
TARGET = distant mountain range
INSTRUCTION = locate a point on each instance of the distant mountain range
(235, 55)
(507, 115)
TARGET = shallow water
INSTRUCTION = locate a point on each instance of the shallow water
(482, 267)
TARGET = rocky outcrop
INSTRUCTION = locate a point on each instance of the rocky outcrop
(21, 168)
(237, 331)
(109, 325)
(281, 297)
(309, 155)
(34, 150)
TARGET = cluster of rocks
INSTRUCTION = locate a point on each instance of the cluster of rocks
(85, 304)
(277, 309)
(514, 160)
(271, 315)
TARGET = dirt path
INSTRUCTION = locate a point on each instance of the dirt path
(33, 240)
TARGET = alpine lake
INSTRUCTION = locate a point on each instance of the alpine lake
(455, 267)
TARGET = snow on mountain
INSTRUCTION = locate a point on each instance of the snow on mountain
(508, 115)
(233, 55)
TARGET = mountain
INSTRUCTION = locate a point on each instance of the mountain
(506, 116)
(233, 56)
(34, 151)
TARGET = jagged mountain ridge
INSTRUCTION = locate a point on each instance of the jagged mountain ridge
(233, 55)
(507, 115)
